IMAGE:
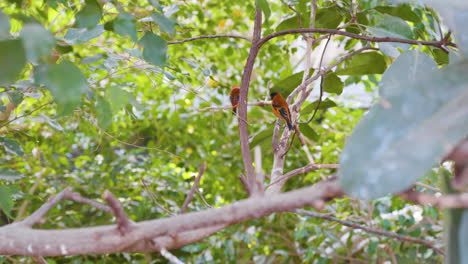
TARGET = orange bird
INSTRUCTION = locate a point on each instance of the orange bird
(281, 109)
(234, 96)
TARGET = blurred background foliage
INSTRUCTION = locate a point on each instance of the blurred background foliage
(95, 96)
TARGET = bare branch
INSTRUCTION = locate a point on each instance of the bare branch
(263, 103)
(39, 213)
(444, 201)
(370, 230)
(305, 169)
(154, 199)
(208, 37)
(194, 187)
(438, 44)
(39, 259)
(203, 199)
(168, 255)
(123, 223)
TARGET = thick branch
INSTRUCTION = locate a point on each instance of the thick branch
(444, 201)
(369, 230)
(123, 223)
(439, 44)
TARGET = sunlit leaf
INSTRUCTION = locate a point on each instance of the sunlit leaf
(124, 25)
(103, 112)
(82, 35)
(6, 200)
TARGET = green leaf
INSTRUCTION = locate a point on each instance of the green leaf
(310, 108)
(104, 113)
(166, 24)
(310, 133)
(89, 15)
(363, 63)
(329, 17)
(333, 83)
(12, 60)
(124, 25)
(10, 175)
(6, 200)
(37, 41)
(402, 11)
(293, 22)
(66, 83)
(11, 146)
(16, 98)
(288, 84)
(262, 137)
(4, 25)
(425, 114)
(440, 56)
(154, 49)
(265, 7)
(117, 97)
(390, 26)
(81, 35)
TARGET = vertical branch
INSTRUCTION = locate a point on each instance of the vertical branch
(244, 90)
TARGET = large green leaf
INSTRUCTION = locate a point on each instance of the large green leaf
(154, 49)
(4, 25)
(363, 63)
(333, 83)
(103, 112)
(12, 60)
(165, 24)
(288, 84)
(82, 35)
(310, 108)
(329, 17)
(12, 146)
(422, 113)
(37, 41)
(89, 15)
(10, 175)
(125, 25)
(403, 11)
(117, 97)
(66, 83)
(6, 199)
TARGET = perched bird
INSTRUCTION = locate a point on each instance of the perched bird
(234, 96)
(280, 108)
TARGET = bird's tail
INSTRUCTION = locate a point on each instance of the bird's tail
(234, 111)
(290, 126)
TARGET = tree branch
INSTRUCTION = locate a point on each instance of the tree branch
(370, 230)
(168, 255)
(192, 190)
(438, 44)
(123, 223)
(305, 169)
(263, 103)
(444, 201)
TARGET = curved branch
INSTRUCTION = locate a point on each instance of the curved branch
(207, 37)
(438, 44)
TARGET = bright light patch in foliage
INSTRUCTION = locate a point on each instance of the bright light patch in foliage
(154, 49)
(66, 83)
(422, 113)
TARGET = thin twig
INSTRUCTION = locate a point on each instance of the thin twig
(263, 103)
(168, 255)
(429, 187)
(123, 223)
(25, 114)
(355, 36)
(154, 199)
(370, 230)
(192, 190)
(203, 199)
(305, 169)
(74, 196)
(39, 259)
(208, 37)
